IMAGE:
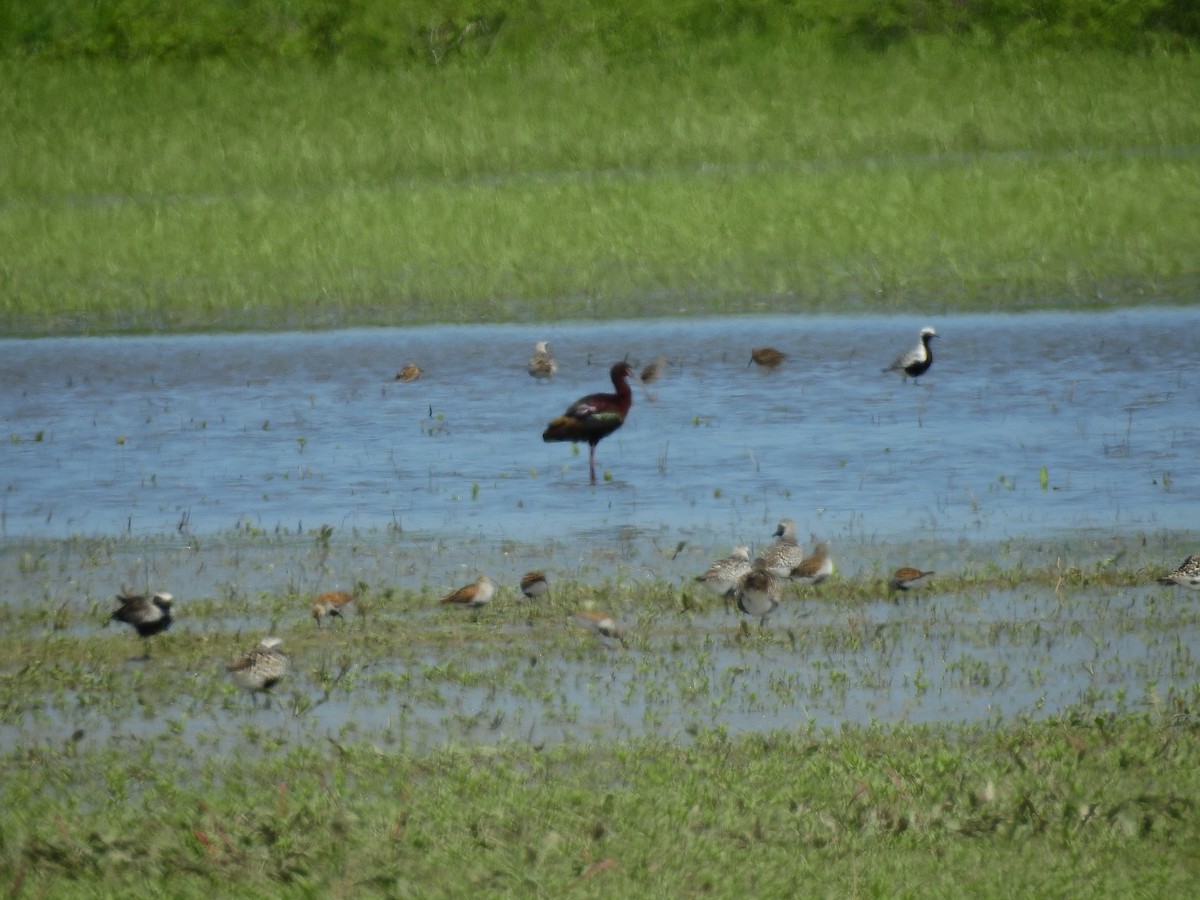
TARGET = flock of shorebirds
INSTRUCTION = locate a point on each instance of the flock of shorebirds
(756, 586)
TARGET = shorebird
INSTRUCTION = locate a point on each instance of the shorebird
(1187, 575)
(784, 553)
(723, 575)
(759, 593)
(815, 567)
(330, 603)
(475, 595)
(916, 361)
(542, 364)
(534, 585)
(148, 613)
(768, 357)
(410, 372)
(261, 668)
(596, 416)
(601, 624)
(652, 372)
(907, 578)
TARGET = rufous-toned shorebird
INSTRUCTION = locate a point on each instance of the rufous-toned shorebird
(915, 362)
(815, 567)
(475, 595)
(331, 603)
(654, 371)
(767, 357)
(261, 668)
(907, 578)
(410, 372)
(1187, 575)
(542, 364)
(148, 613)
(534, 584)
(600, 624)
(759, 593)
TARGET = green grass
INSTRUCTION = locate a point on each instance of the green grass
(152, 197)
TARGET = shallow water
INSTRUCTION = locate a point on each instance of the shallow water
(203, 434)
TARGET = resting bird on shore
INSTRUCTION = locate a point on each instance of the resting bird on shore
(410, 372)
(542, 364)
(784, 553)
(148, 613)
(768, 357)
(759, 593)
(261, 668)
(916, 361)
(725, 574)
(534, 584)
(475, 595)
(596, 416)
(907, 578)
(330, 603)
(1187, 575)
(815, 567)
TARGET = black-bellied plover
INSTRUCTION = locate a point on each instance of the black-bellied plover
(594, 417)
(1187, 575)
(784, 553)
(916, 361)
(542, 364)
(815, 567)
(767, 357)
(148, 613)
(534, 584)
(261, 668)
(907, 578)
(725, 574)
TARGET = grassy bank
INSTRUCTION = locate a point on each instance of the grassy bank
(216, 196)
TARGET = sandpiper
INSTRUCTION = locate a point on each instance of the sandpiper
(784, 553)
(330, 603)
(916, 361)
(723, 575)
(261, 668)
(652, 372)
(907, 578)
(815, 567)
(601, 624)
(410, 372)
(759, 593)
(534, 584)
(768, 357)
(148, 613)
(542, 364)
(1187, 575)
(475, 595)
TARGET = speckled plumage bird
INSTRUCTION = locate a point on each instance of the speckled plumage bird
(150, 614)
(410, 372)
(592, 418)
(1187, 575)
(534, 584)
(475, 595)
(331, 603)
(767, 357)
(815, 567)
(725, 574)
(784, 553)
(907, 578)
(600, 624)
(261, 668)
(915, 362)
(759, 593)
(542, 364)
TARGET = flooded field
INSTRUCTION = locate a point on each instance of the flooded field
(1044, 468)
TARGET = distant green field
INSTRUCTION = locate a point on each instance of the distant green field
(796, 176)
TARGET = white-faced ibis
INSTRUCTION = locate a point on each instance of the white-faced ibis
(767, 357)
(534, 585)
(542, 364)
(758, 593)
(907, 578)
(815, 567)
(915, 362)
(476, 594)
(723, 575)
(261, 668)
(330, 603)
(148, 613)
(410, 372)
(784, 553)
(596, 416)
(1187, 575)
(600, 624)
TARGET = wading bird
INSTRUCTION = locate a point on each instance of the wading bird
(652, 372)
(596, 416)
(475, 595)
(542, 364)
(148, 613)
(906, 579)
(1187, 575)
(767, 357)
(815, 567)
(534, 584)
(410, 372)
(725, 574)
(261, 668)
(600, 624)
(784, 553)
(915, 362)
(758, 593)
(330, 603)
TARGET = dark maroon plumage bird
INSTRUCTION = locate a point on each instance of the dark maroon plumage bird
(596, 416)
